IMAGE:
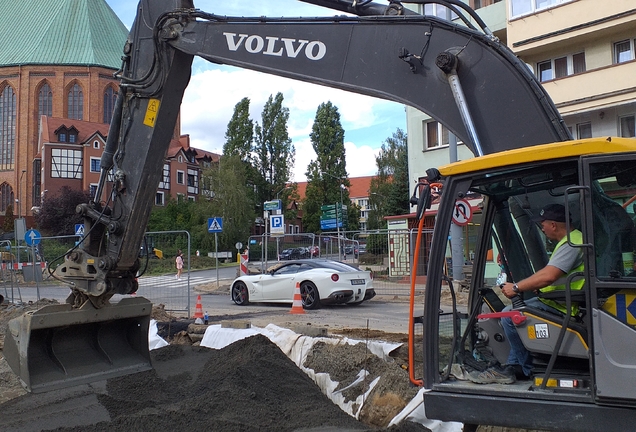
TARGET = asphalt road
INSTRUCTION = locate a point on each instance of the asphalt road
(380, 313)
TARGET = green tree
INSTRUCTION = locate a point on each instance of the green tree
(239, 144)
(327, 180)
(57, 214)
(8, 224)
(231, 201)
(389, 189)
(274, 150)
(239, 136)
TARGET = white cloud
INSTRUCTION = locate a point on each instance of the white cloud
(210, 98)
(214, 90)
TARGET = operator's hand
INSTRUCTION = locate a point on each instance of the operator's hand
(506, 289)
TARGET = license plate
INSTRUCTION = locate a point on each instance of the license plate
(357, 281)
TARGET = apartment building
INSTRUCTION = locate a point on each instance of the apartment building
(57, 95)
(582, 51)
(584, 54)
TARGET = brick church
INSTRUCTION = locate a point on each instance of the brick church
(57, 94)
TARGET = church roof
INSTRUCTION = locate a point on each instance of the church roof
(60, 32)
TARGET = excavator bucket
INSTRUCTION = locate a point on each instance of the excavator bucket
(57, 346)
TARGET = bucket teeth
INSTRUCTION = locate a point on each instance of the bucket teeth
(58, 346)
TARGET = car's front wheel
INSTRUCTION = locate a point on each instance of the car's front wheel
(240, 296)
(310, 296)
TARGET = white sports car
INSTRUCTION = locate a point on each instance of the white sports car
(321, 281)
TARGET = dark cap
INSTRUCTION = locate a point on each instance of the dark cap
(553, 212)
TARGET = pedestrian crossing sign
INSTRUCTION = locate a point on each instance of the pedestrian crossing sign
(215, 225)
(79, 230)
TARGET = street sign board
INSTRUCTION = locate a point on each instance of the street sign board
(328, 207)
(32, 237)
(215, 225)
(463, 212)
(326, 216)
(272, 205)
(277, 224)
(79, 230)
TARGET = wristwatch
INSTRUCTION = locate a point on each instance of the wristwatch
(515, 288)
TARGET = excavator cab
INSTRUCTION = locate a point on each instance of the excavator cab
(578, 359)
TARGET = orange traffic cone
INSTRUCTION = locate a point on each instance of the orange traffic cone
(297, 305)
(198, 309)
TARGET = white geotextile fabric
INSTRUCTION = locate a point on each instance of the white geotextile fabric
(296, 347)
(154, 340)
(414, 411)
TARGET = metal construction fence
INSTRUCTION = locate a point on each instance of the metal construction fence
(157, 281)
(389, 254)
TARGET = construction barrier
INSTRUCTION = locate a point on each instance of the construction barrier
(243, 264)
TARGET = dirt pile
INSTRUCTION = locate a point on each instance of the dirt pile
(248, 385)
(344, 362)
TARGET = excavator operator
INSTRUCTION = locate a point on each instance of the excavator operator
(564, 261)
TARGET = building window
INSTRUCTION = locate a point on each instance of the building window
(109, 104)
(180, 159)
(72, 138)
(561, 67)
(61, 137)
(45, 101)
(159, 199)
(7, 128)
(436, 135)
(66, 163)
(75, 106)
(478, 4)
(180, 177)
(584, 130)
(627, 125)
(95, 164)
(93, 190)
(165, 179)
(191, 198)
(193, 182)
(96, 145)
(623, 51)
(6, 196)
(578, 63)
(526, 7)
(37, 182)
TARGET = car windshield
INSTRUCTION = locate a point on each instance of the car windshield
(334, 265)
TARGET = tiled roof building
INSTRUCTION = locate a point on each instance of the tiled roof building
(57, 94)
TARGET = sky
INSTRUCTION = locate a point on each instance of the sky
(214, 90)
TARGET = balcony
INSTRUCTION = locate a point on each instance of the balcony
(594, 89)
(564, 23)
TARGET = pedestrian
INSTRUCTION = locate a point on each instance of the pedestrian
(179, 262)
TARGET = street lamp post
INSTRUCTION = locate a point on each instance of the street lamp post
(342, 186)
(281, 212)
(377, 212)
(19, 200)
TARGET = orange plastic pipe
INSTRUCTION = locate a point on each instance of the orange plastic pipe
(418, 242)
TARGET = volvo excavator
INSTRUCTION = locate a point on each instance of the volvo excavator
(460, 74)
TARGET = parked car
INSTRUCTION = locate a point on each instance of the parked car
(351, 251)
(295, 253)
(322, 282)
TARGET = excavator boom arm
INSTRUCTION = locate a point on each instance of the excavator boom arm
(463, 77)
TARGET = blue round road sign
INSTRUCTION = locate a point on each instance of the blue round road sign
(32, 237)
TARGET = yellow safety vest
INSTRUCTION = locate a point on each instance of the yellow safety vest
(576, 237)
